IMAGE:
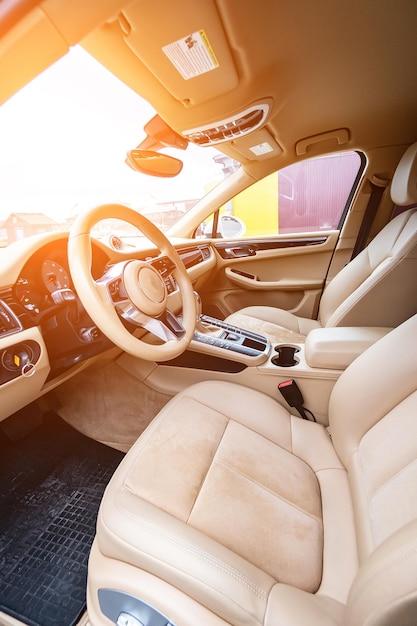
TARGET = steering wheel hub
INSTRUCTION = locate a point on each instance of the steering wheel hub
(145, 288)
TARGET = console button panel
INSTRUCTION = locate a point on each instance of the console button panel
(233, 338)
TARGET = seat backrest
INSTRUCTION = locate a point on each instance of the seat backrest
(373, 423)
(378, 288)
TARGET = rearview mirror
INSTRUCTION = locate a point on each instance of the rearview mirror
(159, 134)
(153, 163)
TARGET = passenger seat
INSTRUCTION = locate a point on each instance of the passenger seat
(377, 288)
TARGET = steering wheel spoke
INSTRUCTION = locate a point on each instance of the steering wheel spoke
(166, 328)
(173, 323)
(110, 285)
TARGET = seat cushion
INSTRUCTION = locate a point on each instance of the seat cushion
(216, 495)
(276, 324)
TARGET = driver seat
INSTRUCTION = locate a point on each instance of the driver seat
(229, 510)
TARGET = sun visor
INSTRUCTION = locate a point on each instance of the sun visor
(184, 45)
(41, 36)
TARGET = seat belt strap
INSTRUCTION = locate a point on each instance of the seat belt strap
(378, 186)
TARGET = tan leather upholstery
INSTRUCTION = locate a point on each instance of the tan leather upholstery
(404, 183)
(336, 348)
(375, 434)
(255, 514)
(222, 469)
(277, 324)
(377, 288)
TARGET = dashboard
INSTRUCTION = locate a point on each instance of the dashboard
(44, 296)
(44, 329)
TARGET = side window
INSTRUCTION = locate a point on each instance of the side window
(301, 198)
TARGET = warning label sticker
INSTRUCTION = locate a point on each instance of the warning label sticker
(192, 55)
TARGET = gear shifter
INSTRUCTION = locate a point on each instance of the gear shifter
(200, 326)
(199, 311)
(198, 305)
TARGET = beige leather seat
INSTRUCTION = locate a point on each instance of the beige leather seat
(231, 511)
(377, 288)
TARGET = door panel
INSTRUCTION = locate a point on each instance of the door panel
(282, 271)
(237, 249)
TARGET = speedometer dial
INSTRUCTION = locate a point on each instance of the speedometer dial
(54, 276)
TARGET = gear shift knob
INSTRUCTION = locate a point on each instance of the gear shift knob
(198, 305)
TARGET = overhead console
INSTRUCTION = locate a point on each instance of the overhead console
(232, 127)
(192, 71)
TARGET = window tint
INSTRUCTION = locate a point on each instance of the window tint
(303, 197)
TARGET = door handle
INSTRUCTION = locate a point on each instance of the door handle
(240, 251)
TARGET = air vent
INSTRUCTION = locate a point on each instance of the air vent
(191, 257)
(8, 298)
(205, 251)
(115, 242)
(230, 128)
(9, 323)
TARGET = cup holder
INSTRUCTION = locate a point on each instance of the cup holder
(286, 356)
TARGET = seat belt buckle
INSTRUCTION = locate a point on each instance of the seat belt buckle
(292, 395)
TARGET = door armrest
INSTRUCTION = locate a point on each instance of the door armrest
(292, 284)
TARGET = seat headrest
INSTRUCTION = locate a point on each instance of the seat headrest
(404, 183)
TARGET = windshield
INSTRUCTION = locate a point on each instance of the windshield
(64, 139)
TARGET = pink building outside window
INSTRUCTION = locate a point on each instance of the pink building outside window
(313, 193)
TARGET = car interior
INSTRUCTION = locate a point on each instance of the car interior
(208, 313)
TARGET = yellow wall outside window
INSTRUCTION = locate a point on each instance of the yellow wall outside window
(257, 207)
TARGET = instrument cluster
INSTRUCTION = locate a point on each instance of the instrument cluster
(38, 288)
(42, 284)
(45, 280)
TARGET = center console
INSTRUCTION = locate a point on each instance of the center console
(220, 351)
(213, 332)
(315, 364)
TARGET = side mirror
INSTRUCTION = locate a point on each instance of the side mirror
(231, 226)
(153, 163)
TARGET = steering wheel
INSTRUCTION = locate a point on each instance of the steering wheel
(133, 291)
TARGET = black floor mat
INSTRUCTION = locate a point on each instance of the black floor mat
(51, 484)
